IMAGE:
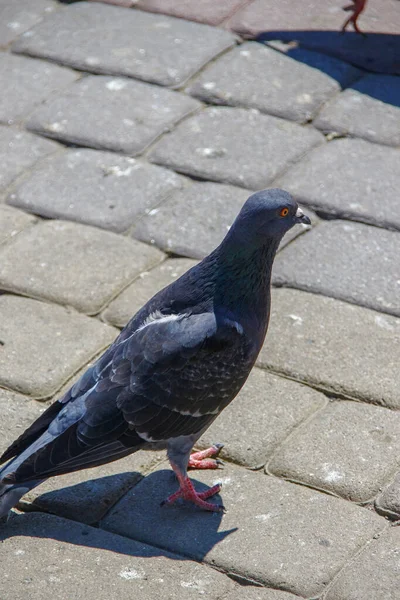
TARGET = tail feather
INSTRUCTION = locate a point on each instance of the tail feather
(10, 495)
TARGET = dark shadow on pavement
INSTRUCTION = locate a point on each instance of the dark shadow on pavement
(377, 52)
(142, 527)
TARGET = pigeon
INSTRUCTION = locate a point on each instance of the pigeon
(177, 364)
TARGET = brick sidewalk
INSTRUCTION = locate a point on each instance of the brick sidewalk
(128, 142)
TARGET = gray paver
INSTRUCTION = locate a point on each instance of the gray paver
(13, 221)
(334, 345)
(256, 76)
(350, 179)
(151, 47)
(297, 549)
(350, 261)
(19, 15)
(349, 448)
(45, 345)
(194, 221)
(234, 145)
(87, 495)
(265, 412)
(62, 187)
(388, 501)
(132, 113)
(208, 11)
(368, 109)
(43, 555)
(19, 151)
(73, 264)
(143, 288)
(26, 82)
(374, 574)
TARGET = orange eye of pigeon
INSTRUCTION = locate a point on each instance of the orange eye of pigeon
(284, 212)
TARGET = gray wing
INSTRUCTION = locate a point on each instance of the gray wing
(160, 382)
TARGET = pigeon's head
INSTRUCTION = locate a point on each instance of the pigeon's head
(267, 214)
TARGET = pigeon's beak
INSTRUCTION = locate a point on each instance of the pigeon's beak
(302, 218)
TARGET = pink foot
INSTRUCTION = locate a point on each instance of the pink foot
(198, 460)
(187, 492)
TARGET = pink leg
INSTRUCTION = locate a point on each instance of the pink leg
(357, 7)
(187, 492)
(198, 460)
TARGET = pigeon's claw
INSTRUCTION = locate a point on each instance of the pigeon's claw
(203, 460)
(187, 492)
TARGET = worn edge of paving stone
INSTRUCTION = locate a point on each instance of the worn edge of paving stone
(22, 119)
(27, 172)
(99, 310)
(368, 502)
(58, 147)
(352, 560)
(379, 503)
(30, 221)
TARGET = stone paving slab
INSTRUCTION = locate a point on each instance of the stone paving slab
(319, 28)
(298, 550)
(87, 495)
(350, 261)
(62, 187)
(45, 556)
(255, 76)
(333, 345)
(13, 221)
(194, 221)
(19, 151)
(73, 264)
(265, 412)
(352, 179)
(349, 448)
(148, 283)
(208, 11)
(388, 501)
(151, 47)
(19, 15)
(132, 114)
(369, 109)
(26, 82)
(234, 145)
(45, 345)
(374, 573)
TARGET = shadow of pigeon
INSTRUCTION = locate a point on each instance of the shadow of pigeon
(182, 529)
(377, 52)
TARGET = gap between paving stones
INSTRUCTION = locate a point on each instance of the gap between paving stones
(368, 503)
(353, 559)
(85, 13)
